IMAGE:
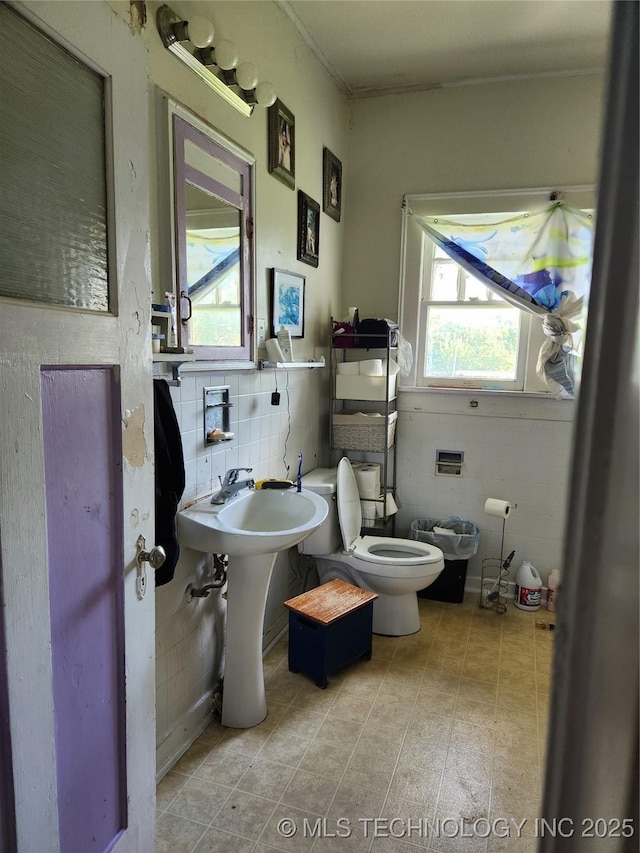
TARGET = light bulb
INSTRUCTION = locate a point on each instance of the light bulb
(246, 75)
(266, 94)
(200, 31)
(226, 55)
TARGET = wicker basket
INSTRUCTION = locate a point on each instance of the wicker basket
(356, 432)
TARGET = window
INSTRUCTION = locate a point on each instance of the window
(463, 334)
(471, 335)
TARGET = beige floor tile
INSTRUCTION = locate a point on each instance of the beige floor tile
(290, 830)
(392, 710)
(403, 689)
(477, 691)
(424, 724)
(361, 685)
(194, 756)
(435, 702)
(415, 819)
(176, 834)
(368, 769)
(326, 759)
(310, 792)
(512, 843)
(223, 764)
(266, 779)
(464, 797)
(339, 732)
(485, 669)
(452, 835)
(469, 764)
(442, 682)
(284, 749)
(512, 698)
(246, 741)
(480, 713)
(168, 788)
(217, 841)
(381, 738)
(415, 783)
(199, 801)
(354, 708)
(275, 712)
(444, 662)
(356, 803)
(313, 698)
(383, 648)
(244, 814)
(430, 753)
(301, 722)
(517, 804)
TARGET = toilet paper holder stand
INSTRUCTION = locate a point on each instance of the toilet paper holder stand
(494, 584)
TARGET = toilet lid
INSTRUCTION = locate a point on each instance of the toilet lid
(349, 509)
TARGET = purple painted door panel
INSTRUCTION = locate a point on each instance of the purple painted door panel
(83, 485)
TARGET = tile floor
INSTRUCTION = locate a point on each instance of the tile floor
(439, 735)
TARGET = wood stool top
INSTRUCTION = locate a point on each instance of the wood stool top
(331, 601)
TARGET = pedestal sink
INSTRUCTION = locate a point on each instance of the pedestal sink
(251, 528)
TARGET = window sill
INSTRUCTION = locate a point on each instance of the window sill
(444, 389)
(481, 402)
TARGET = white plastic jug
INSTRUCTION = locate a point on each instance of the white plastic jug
(528, 587)
(552, 590)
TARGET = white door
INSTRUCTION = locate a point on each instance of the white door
(76, 489)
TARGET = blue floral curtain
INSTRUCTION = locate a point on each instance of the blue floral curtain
(540, 262)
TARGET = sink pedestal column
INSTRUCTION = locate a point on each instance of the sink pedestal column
(244, 703)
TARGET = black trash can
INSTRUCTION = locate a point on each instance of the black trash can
(458, 544)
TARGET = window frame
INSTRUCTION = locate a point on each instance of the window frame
(413, 251)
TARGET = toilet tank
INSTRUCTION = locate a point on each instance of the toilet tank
(327, 538)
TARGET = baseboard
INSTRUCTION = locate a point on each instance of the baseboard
(185, 731)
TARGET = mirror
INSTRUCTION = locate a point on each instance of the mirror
(214, 257)
(212, 238)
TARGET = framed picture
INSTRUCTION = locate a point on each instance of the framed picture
(282, 144)
(331, 184)
(287, 302)
(308, 229)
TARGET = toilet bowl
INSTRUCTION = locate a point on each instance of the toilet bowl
(394, 568)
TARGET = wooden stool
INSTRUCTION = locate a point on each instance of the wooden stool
(329, 627)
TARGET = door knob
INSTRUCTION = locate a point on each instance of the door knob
(155, 557)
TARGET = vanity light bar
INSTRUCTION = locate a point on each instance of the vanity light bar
(172, 31)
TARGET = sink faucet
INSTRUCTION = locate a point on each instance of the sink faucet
(231, 485)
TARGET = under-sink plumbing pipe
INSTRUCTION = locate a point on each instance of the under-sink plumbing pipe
(220, 563)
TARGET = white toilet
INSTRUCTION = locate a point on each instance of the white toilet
(394, 568)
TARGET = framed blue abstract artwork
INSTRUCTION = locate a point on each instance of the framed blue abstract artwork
(287, 302)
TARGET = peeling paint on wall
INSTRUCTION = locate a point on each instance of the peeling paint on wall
(135, 519)
(134, 446)
(138, 15)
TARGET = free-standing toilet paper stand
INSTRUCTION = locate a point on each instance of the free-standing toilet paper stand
(494, 585)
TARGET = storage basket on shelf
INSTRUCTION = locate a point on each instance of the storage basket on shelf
(370, 431)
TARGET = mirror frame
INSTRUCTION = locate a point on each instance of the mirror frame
(187, 128)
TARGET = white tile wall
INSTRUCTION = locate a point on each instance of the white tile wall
(523, 460)
(190, 636)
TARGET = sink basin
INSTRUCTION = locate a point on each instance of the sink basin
(261, 521)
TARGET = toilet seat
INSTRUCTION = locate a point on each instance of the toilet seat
(400, 553)
(408, 558)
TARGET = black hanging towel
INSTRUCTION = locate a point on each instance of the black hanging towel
(169, 477)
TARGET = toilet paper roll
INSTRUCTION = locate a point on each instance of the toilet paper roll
(348, 368)
(368, 512)
(386, 507)
(371, 367)
(498, 508)
(368, 480)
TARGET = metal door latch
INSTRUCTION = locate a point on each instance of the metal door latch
(155, 557)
